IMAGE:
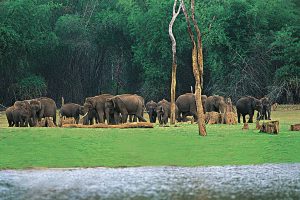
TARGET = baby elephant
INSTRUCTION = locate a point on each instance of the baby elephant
(71, 110)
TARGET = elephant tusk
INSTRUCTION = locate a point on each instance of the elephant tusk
(85, 115)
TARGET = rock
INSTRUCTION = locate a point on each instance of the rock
(295, 127)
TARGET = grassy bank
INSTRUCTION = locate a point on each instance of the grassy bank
(181, 146)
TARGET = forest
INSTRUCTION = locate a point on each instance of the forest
(80, 48)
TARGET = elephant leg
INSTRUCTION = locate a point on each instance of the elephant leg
(141, 118)
(239, 117)
(165, 119)
(135, 118)
(77, 119)
(244, 118)
(101, 116)
(124, 117)
(250, 118)
(159, 118)
(269, 115)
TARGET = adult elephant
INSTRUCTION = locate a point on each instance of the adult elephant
(22, 114)
(97, 103)
(266, 109)
(151, 110)
(72, 110)
(215, 103)
(246, 106)
(163, 110)
(43, 107)
(186, 104)
(126, 104)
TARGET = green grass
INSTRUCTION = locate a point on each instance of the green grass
(180, 146)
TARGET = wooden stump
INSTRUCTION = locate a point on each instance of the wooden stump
(246, 126)
(295, 127)
(49, 122)
(229, 118)
(65, 120)
(258, 126)
(46, 122)
(212, 118)
(41, 123)
(271, 127)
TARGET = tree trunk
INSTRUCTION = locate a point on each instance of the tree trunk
(197, 58)
(174, 62)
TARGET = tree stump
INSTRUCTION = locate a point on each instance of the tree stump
(246, 126)
(271, 127)
(295, 127)
(49, 122)
(258, 126)
(212, 118)
(46, 122)
(65, 120)
(229, 118)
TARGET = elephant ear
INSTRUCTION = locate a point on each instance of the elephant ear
(112, 101)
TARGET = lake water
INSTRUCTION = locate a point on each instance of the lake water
(270, 181)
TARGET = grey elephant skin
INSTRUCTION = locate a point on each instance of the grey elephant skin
(72, 110)
(163, 110)
(151, 110)
(127, 104)
(90, 117)
(266, 109)
(215, 103)
(97, 103)
(19, 114)
(43, 107)
(246, 106)
(9, 116)
(186, 104)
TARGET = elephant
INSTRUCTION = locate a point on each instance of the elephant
(43, 107)
(9, 116)
(126, 104)
(163, 110)
(97, 103)
(22, 114)
(72, 110)
(266, 109)
(215, 103)
(90, 117)
(151, 110)
(186, 104)
(246, 106)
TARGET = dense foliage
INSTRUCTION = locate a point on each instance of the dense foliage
(79, 48)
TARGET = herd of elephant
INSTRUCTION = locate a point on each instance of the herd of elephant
(117, 109)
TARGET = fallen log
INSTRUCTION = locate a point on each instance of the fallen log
(295, 127)
(126, 125)
(271, 127)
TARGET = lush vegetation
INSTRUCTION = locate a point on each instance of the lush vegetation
(182, 146)
(85, 47)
